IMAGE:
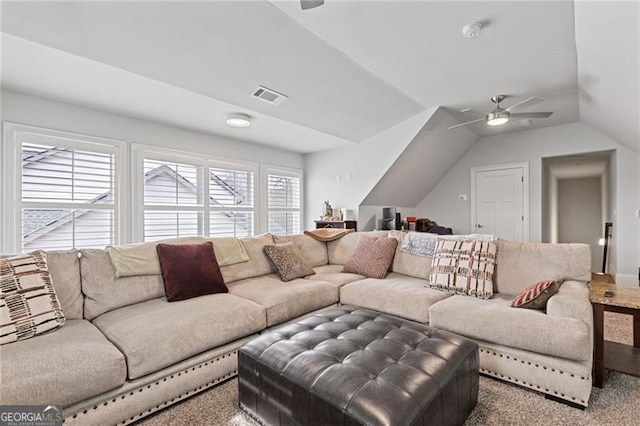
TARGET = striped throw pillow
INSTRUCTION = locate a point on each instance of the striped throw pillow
(537, 295)
(464, 267)
(28, 301)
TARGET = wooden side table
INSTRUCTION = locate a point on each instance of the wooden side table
(608, 355)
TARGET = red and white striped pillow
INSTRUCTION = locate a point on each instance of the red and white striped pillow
(537, 295)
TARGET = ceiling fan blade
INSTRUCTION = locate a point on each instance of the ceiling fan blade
(310, 4)
(531, 114)
(525, 104)
(468, 122)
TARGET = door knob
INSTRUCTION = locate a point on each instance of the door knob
(479, 226)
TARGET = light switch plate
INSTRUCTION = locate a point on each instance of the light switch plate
(462, 197)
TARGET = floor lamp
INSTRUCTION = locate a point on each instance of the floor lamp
(607, 242)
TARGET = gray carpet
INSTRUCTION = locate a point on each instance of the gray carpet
(499, 403)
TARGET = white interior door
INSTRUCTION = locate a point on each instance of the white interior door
(500, 201)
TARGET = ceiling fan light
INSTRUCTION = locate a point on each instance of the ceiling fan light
(238, 120)
(497, 121)
(497, 118)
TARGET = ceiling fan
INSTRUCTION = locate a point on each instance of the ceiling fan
(501, 115)
(310, 4)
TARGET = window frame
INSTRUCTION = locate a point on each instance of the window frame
(11, 201)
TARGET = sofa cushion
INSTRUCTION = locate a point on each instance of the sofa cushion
(333, 274)
(313, 251)
(340, 250)
(464, 267)
(536, 296)
(398, 294)
(189, 270)
(495, 321)
(37, 371)
(258, 263)
(28, 302)
(408, 263)
(520, 264)
(284, 301)
(64, 267)
(288, 261)
(141, 259)
(156, 334)
(372, 256)
(104, 292)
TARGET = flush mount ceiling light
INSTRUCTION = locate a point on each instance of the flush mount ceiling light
(472, 30)
(238, 120)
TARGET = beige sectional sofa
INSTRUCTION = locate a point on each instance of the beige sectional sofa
(125, 352)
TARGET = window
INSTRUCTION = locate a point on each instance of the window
(63, 190)
(173, 200)
(174, 203)
(284, 200)
(232, 198)
(67, 192)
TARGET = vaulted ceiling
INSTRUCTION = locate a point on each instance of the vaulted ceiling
(350, 69)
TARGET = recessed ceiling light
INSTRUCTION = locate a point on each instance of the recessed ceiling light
(238, 120)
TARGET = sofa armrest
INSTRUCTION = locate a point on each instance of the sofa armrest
(572, 301)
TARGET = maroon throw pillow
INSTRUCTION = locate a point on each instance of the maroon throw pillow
(189, 270)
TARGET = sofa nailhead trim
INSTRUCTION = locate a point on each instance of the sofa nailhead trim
(176, 399)
(530, 385)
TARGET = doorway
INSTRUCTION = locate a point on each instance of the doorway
(500, 201)
(576, 200)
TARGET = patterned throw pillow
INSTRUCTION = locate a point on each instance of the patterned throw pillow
(28, 302)
(372, 256)
(537, 295)
(464, 267)
(288, 261)
(189, 270)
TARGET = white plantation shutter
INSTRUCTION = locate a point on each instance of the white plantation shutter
(232, 202)
(173, 204)
(284, 201)
(68, 193)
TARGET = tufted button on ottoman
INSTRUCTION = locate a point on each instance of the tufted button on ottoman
(352, 366)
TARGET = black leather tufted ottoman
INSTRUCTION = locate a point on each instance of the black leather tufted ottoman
(352, 366)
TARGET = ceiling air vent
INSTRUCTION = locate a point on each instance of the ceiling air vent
(268, 95)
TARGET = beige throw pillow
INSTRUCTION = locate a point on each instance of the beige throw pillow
(288, 261)
(372, 256)
(28, 302)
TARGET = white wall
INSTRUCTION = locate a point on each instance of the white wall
(531, 146)
(26, 109)
(359, 168)
(580, 215)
